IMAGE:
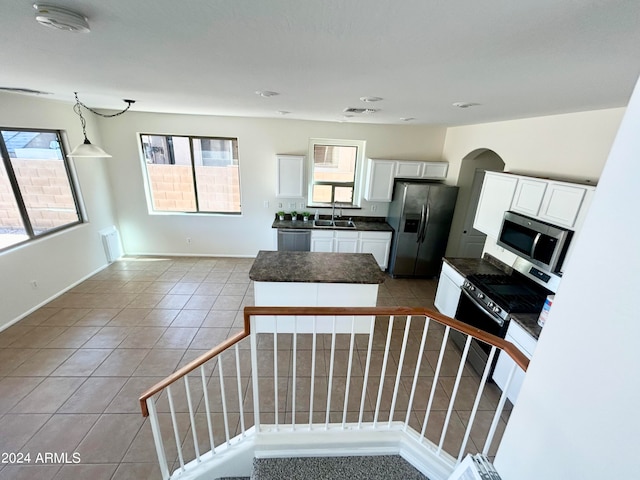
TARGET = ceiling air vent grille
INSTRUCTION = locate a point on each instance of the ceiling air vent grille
(360, 110)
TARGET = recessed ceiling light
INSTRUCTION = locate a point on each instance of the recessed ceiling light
(465, 104)
(60, 18)
(266, 93)
(407, 119)
(370, 99)
(283, 112)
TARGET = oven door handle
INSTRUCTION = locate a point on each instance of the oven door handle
(532, 254)
(498, 320)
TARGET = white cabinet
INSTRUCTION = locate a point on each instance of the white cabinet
(382, 173)
(340, 241)
(562, 203)
(322, 240)
(434, 170)
(378, 244)
(408, 169)
(290, 176)
(559, 203)
(528, 196)
(379, 181)
(345, 242)
(495, 198)
(448, 292)
(527, 345)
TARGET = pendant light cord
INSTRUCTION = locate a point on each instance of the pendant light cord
(76, 108)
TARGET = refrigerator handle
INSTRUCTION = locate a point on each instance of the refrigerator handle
(423, 232)
(421, 224)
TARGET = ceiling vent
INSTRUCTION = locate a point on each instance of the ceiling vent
(27, 91)
(60, 18)
(360, 110)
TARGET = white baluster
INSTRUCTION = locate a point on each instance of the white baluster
(425, 330)
(476, 403)
(463, 359)
(330, 380)
(207, 409)
(499, 408)
(174, 423)
(157, 438)
(436, 376)
(383, 370)
(366, 374)
(407, 327)
(240, 396)
(196, 447)
(349, 366)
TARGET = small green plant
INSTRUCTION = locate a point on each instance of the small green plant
(280, 215)
(294, 214)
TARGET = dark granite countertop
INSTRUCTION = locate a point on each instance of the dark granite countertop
(528, 321)
(363, 224)
(490, 265)
(316, 267)
(469, 266)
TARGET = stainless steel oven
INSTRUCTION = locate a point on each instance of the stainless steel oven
(486, 302)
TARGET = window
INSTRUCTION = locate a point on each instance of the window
(335, 170)
(37, 195)
(192, 174)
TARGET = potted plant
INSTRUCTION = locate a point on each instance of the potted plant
(281, 215)
(294, 216)
(305, 216)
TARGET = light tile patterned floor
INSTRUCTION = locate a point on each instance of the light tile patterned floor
(71, 372)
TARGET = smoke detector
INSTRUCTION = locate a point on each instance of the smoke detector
(60, 18)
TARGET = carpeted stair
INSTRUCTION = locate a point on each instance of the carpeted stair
(384, 467)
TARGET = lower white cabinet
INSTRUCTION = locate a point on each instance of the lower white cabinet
(527, 345)
(448, 292)
(345, 242)
(340, 241)
(322, 240)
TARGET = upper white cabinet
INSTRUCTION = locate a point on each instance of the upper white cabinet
(559, 203)
(290, 176)
(495, 198)
(408, 169)
(528, 196)
(379, 180)
(382, 173)
(562, 203)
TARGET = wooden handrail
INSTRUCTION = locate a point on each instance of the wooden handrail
(501, 343)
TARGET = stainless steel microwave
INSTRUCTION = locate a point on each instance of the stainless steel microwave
(540, 243)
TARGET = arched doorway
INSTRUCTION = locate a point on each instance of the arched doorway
(466, 241)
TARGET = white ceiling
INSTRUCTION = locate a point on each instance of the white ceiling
(518, 58)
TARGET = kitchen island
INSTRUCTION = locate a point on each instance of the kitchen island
(311, 279)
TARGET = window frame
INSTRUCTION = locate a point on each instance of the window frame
(356, 198)
(190, 138)
(17, 193)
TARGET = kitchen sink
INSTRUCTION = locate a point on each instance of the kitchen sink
(322, 223)
(344, 224)
(334, 223)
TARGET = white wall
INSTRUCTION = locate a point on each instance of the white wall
(577, 413)
(59, 260)
(574, 145)
(259, 140)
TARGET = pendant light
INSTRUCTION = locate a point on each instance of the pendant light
(87, 149)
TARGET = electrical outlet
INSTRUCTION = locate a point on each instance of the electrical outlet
(302, 204)
(292, 205)
(266, 204)
(374, 208)
(34, 283)
(188, 240)
(279, 204)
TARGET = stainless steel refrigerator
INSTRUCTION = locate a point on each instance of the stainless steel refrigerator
(420, 214)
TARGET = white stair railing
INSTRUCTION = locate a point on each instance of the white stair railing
(306, 387)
